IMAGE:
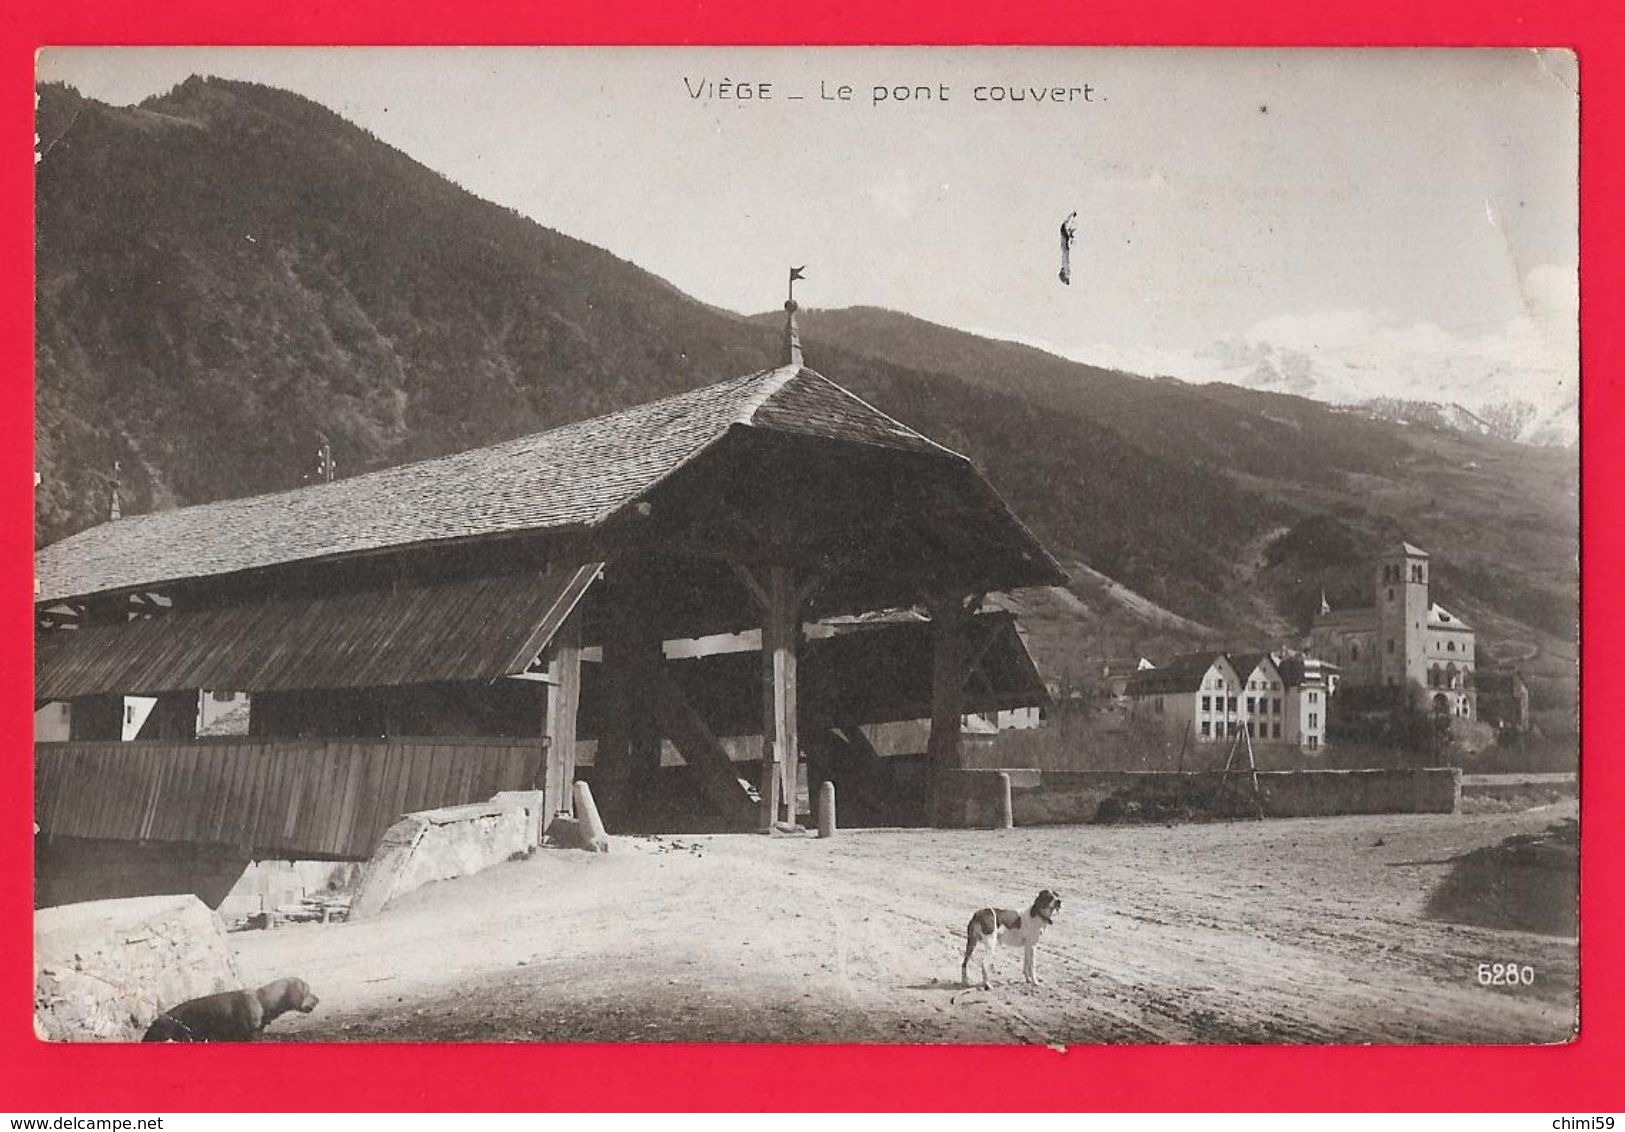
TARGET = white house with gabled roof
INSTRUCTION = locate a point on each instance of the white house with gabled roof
(1217, 696)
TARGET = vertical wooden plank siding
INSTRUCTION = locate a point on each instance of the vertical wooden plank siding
(435, 786)
(317, 827)
(417, 777)
(369, 796)
(337, 786)
(254, 779)
(401, 780)
(235, 816)
(256, 805)
(293, 776)
(218, 762)
(184, 798)
(159, 771)
(319, 798)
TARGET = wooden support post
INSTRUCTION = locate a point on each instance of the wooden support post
(781, 628)
(1006, 818)
(563, 703)
(611, 769)
(950, 620)
(645, 661)
(629, 742)
(768, 805)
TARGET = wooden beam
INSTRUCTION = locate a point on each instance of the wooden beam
(758, 594)
(950, 621)
(629, 742)
(645, 660)
(973, 661)
(768, 786)
(703, 752)
(563, 706)
(786, 645)
(781, 629)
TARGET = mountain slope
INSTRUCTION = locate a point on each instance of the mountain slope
(1501, 517)
(229, 274)
(1275, 436)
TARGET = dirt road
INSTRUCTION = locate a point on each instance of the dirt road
(1299, 931)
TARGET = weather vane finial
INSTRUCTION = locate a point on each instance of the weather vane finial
(792, 332)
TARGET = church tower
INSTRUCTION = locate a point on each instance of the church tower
(1402, 616)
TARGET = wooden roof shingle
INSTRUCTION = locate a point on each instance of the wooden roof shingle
(473, 629)
(572, 477)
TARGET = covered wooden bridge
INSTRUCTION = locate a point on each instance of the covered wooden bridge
(415, 637)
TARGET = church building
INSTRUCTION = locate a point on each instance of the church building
(1405, 639)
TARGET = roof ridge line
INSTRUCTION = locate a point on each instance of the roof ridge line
(776, 379)
(838, 387)
(773, 379)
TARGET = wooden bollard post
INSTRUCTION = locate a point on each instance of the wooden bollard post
(826, 809)
(1007, 809)
(593, 837)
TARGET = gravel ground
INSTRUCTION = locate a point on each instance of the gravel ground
(1306, 930)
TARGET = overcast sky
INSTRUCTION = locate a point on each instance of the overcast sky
(1387, 209)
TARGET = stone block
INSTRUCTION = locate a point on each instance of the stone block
(438, 845)
(103, 969)
(535, 807)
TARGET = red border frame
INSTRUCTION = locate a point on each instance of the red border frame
(1570, 1078)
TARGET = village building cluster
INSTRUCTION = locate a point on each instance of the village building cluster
(1213, 696)
(1404, 639)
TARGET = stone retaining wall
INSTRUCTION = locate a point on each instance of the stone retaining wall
(103, 969)
(1067, 797)
(451, 842)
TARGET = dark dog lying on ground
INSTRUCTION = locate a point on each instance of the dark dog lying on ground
(231, 1016)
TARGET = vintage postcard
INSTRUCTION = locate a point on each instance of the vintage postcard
(906, 545)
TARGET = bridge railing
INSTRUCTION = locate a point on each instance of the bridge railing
(297, 798)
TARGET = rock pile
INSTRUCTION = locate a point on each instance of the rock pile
(103, 969)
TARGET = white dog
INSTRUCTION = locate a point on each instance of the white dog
(992, 928)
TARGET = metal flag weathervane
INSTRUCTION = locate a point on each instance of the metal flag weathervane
(792, 332)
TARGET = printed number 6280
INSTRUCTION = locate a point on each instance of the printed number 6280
(1506, 975)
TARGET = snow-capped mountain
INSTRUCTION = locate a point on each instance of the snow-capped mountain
(1517, 378)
